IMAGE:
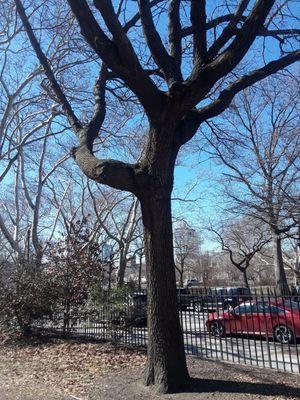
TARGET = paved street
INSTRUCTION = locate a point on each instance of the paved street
(236, 349)
(241, 349)
(262, 352)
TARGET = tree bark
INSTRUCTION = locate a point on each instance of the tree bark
(181, 278)
(297, 261)
(280, 276)
(245, 277)
(166, 357)
(140, 273)
(110, 270)
(121, 270)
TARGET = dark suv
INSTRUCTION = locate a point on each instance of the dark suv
(184, 298)
(135, 310)
(135, 313)
(221, 298)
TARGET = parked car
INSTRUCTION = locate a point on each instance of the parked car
(286, 303)
(257, 319)
(184, 298)
(135, 309)
(135, 312)
(192, 282)
(221, 298)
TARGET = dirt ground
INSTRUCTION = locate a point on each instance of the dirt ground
(60, 370)
(210, 380)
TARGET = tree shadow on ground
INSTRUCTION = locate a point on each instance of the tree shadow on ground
(228, 386)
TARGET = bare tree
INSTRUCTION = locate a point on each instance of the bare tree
(291, 253)
(119, 225)
(169, 83)
(23, 209)
(260, 149)
(26, 132)
(186, 247)
(241, 240)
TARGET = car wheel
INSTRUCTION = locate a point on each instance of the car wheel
(283, 334)
(198, 307)
(216, 328)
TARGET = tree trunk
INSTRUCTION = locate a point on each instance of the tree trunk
(181, 272)
(140, 273)
(109, 276)
(280, 276)
(245, 277)
(121, 270)
(166, 357)
(181, 278)
(297, 263)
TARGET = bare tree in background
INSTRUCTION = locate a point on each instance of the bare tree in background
(242, 239)
(201, 66)
(260, 147)
(186, 248)
(26, 158)
(119, 225)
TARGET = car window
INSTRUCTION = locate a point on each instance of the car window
(141, 298)
(292, 304)
(182, 291)
(245, 291)
(245, 308)
(269, 309)
(232, 291)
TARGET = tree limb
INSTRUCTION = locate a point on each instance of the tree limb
(196, 117)
(73, 120)
(201, 81)
(198, 20)
(155, 44)
(129, 70)
(229, 30)
(175, 35)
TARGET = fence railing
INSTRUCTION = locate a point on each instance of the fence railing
(233, 325)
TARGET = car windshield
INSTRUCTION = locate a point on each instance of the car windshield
(292, 304)
(142, 298)
(259, 308)
(182, 291)
(246, 308)
(233, 291)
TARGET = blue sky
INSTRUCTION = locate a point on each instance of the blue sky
(193, 171)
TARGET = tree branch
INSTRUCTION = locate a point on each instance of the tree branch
(131, 23)
(128, 69)
(229, 30)
(73, 120)
(200, 82)
(160, 55)
(90, 134)
(198, 20)
(117, 174)
(175, 35)
(196, 117)
(189, 30)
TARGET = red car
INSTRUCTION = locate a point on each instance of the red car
(257, 319)
(287, 304)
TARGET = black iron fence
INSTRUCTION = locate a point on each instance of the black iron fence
(235, 325)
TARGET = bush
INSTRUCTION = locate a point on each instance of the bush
(26, 296)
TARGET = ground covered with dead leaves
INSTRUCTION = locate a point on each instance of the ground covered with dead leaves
(68, 370)
(59, 369)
